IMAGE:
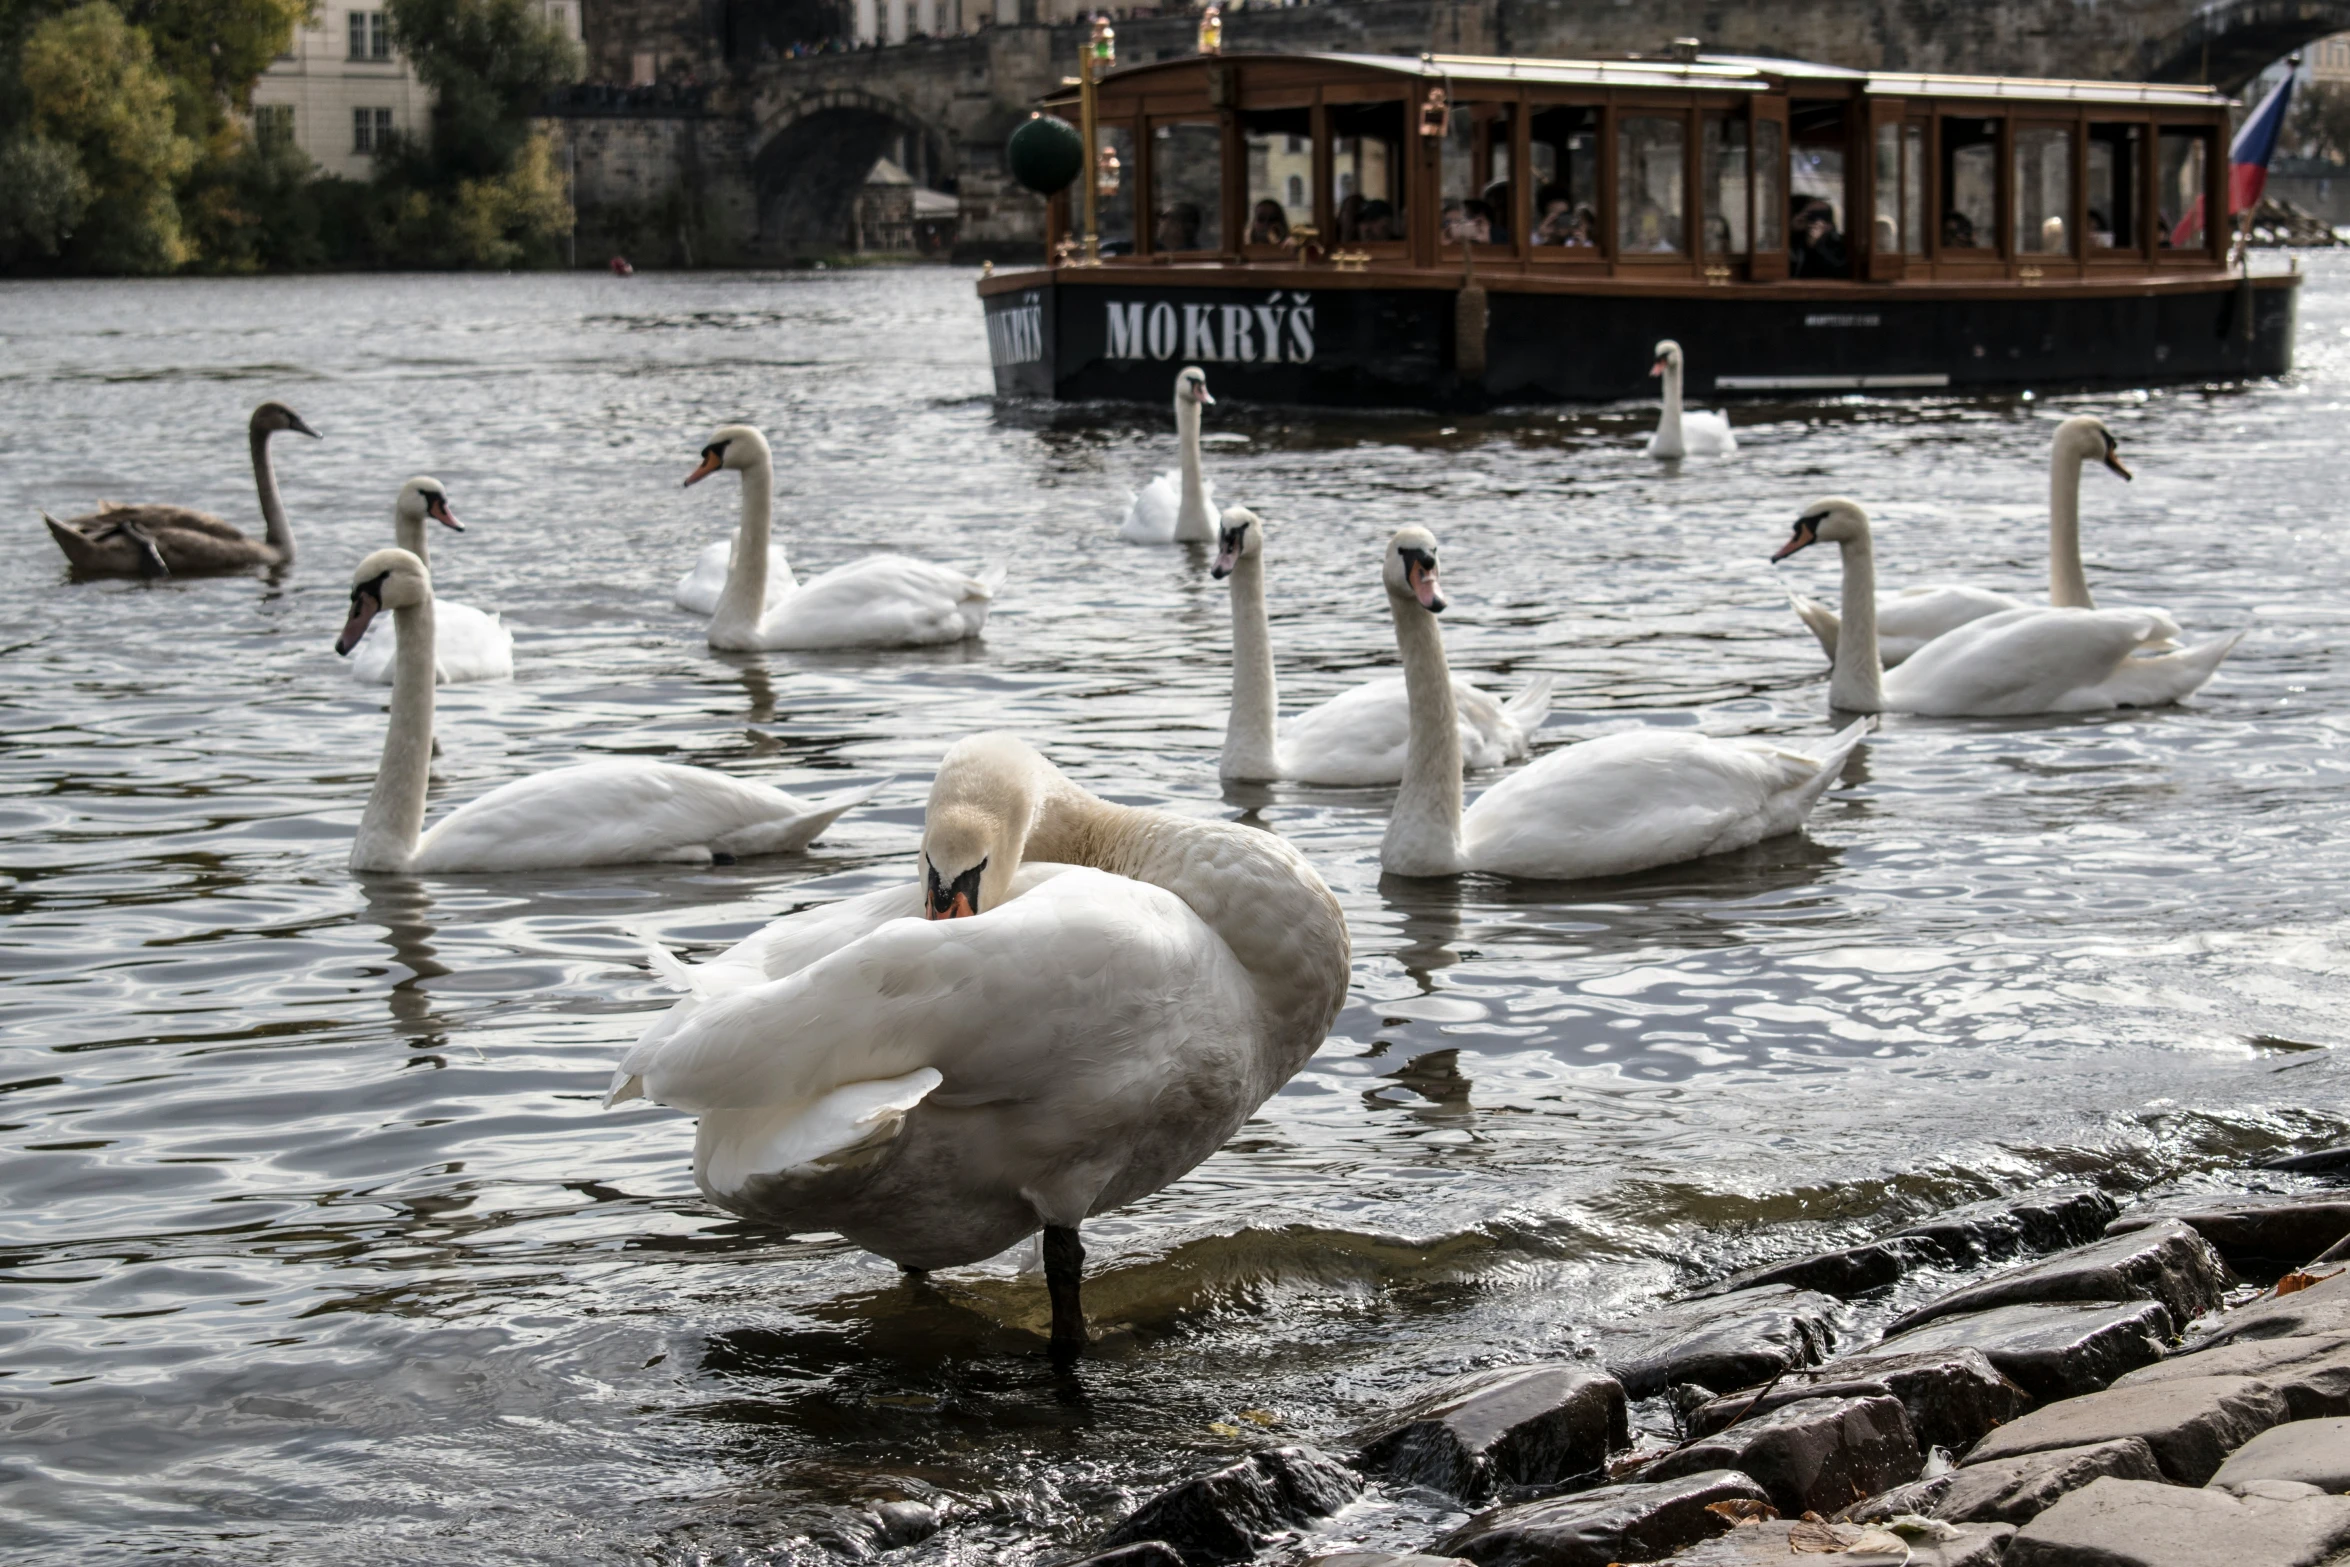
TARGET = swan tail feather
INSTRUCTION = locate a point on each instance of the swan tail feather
(991, 576)
(1823, 621)
(2161, 678)
(805, 1139)
(666, 963)
(792, 833)
(1531, 705)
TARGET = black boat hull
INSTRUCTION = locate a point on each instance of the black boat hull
(1376, 346)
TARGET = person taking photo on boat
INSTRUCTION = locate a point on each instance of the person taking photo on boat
(1179, 226)
(1267, 223)
(1815, 249)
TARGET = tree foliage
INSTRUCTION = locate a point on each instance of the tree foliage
(93, 91)
(2319, 126)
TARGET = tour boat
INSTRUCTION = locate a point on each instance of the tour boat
(1456, 231)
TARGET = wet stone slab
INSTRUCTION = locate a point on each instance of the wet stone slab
(1619, 1523)
(2015, 1490)
(1766, 1545)
(2312, 1373)
(2167, 1262)
(2323, 1309)
(1989, 1231)
(2318, 1161)
(2132, 1523)
(1229, 1514)
(2312, 1452)
(2262, 1234)
(1814, 1456)
(1724, 1341)
(1385, 1559)
(1150, 1553)
(1952, 1396)
(2192, 1424)
(1526, 1426)
(2054, 1351)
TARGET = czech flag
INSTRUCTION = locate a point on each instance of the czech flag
(2248, 155)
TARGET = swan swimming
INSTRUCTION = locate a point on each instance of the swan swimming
(1357, 737)
(2038, 659)
(1069, 1006)
(1604, 807)
(467, 644)
(612, 812)
(1909, 619)
(1695, 433)
(177, 541)
(879, 601)
(698, 590)
(1174, 508)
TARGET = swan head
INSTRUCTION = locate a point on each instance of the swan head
(976, 826)
(1191, 386)
(1834, 520)
(1240, 536)
(421, 498)
(735, 446)
(1411, 569)
(387, 579)
(272, 417)
(1668, 354)
(2084, 438)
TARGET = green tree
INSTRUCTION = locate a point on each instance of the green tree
(489, 63)
(2319, 126)
(93, 90)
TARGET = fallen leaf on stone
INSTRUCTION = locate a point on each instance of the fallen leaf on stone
(1743, 1509)
(1919, 1523)
(1815, 1536)
(1877, 1548)
(1263, 1417)
(1223, 1428)
(2295, 1283)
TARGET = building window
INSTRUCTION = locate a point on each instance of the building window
(371, 130)
(273, 124)
(370, 40)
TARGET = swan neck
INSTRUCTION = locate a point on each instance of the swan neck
(1668, 424)
(2068, 584)
(274, 527)
(1424, 834)
(1251, 742)
(1857, 684)
(411, 535)
(743, 601)
(394, 818)
(1191, 515)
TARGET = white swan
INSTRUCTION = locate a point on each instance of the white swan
(1694, 433)
(467, 644)
(1072, 1005)
(1174, 507)
(880, 601)
(2038, 659)
(1605, 807)
(1909, 619)
(1359, 736)
(699, 588)
(594, 813)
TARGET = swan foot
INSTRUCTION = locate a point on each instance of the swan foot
(1064, 1269)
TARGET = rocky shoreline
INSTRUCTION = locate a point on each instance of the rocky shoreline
(2167, 1386)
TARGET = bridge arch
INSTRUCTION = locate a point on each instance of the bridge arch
(2229, 42)
(815, 151)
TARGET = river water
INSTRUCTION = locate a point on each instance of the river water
(314, 1239)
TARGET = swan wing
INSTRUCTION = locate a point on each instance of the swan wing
(1915, 616)
(605, 813)
(1359, 737)
(178, 519)
(1151, 511)
(1644, 797)
(1708, 434)
(698, 590)
(2156, 679)
(2034, 660)
(880, 601)
(1530, 706)
(469, 644)
(1824, 622)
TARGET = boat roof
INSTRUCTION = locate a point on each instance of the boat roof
(1725, 73)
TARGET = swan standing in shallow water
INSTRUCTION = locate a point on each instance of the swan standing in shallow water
(595, 813)
(1604, 807)
(2038, 659)
(1174, 507)
(1357, 737)
(467, 644)
(1694, 433)
(880, 601)
(1072, 1005)
(1909, 619)
(175, 541)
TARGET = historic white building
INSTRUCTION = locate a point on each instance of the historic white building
(341, 90)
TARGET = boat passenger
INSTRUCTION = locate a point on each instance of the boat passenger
(1815, 248)
(1268, 224)
(1499, 206)
(2100, 230)
(1179, 223)
(1379, 221)
(1958, 231)
(1350, 218)
(1469, 220)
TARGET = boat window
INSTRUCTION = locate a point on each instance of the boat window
(1770, 185)
(1970, 185)
(1816, 201)
(1725, 185)
(1913, 188)
(1279, 145)
(1366, 171)
(1187, 184)
(1651, 152)
(2181, 162)
(1115, 208)
(1563, 161)
(2114, 176)
(2043, 190)
(1475, 189)
(1900, 219)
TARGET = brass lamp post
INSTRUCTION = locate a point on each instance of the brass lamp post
(1099, 55)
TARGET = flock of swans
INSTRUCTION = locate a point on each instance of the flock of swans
(1073, 1002)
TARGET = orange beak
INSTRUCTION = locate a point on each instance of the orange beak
(709, 466)
(957, 908)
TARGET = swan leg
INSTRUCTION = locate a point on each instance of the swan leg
(1064, 1269)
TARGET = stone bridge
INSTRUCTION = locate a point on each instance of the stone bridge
(744, 152)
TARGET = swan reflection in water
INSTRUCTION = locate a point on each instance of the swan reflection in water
(402, 907)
